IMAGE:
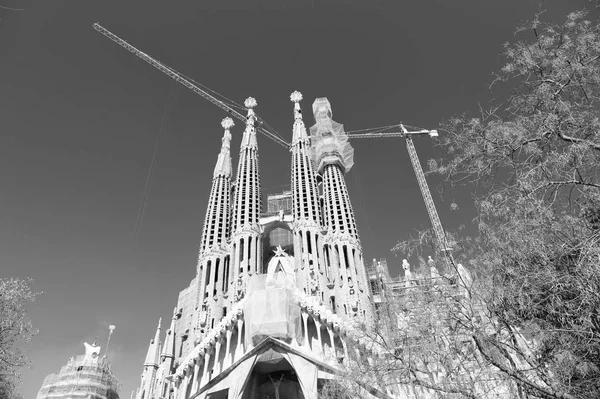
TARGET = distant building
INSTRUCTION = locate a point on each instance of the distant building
(86, 376)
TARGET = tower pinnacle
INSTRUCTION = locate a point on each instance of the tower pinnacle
(299, 128)
(227, 123)
(296, 97)
(249, 138)
(305, 208)
(168, 350)
(247, 206)
(213, 261)
(223, 165)
(329, 141)
(153, 355)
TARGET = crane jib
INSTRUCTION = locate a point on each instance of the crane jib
(179, 78)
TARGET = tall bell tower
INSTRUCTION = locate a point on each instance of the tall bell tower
(333, 156)
(311, 271)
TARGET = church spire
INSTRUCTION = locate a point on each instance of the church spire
(212, 279)
(304, 184)
(334, 156)
(223, 166)
(247, 191)
(168, 350)
(306, 210)
(247, 205)
(215, 223)
(153, 355)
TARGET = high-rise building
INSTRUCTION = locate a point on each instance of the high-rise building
(86, 376)
(276, 293)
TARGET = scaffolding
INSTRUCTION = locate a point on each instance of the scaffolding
(84, 376)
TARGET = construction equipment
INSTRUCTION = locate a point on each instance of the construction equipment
(429, 204)
(226, 105)
(264, 128)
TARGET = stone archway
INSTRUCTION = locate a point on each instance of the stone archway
(273, 377)
(276, 234)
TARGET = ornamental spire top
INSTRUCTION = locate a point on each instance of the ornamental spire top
(249, 138)
(299, 128)
(296, 97)
(328, 140)
(223, 166)
(227, 124)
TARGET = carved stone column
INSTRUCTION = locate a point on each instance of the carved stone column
(196, 378)
(205, 378)
(239, 350)
(305, 324)
(320, 346)
(228, 356)
(331, 339)
(217, 363)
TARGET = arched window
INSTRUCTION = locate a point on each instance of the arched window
(279, 236)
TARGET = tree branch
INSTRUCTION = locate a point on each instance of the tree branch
(564, 137)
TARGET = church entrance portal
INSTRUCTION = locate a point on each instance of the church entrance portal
(273, 377)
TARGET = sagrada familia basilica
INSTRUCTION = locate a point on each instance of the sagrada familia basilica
(274, 291)
(280, 296)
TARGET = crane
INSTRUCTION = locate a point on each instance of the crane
(440, 235)
(187, 82)
(273, 135)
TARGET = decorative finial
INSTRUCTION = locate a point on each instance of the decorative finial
(249, 136)
(159, 322)
(227, 123)
(280, 251)
(296, 97)
(250, 102)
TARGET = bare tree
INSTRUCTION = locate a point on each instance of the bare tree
(528, 325)
(534, 166)
(15, 331)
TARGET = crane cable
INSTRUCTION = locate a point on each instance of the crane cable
(372, 130)
(225, 100)
(152, 168)
(219, 97)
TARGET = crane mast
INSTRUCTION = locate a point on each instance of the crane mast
(186, 82)
(440, 235)
(429, 204)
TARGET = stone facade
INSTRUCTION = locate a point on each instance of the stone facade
(282, 301)
(276, 293)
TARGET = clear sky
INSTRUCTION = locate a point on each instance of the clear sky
(80, 117)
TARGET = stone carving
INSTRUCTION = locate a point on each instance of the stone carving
(240, 289)
(296, 96)
(314, 284)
